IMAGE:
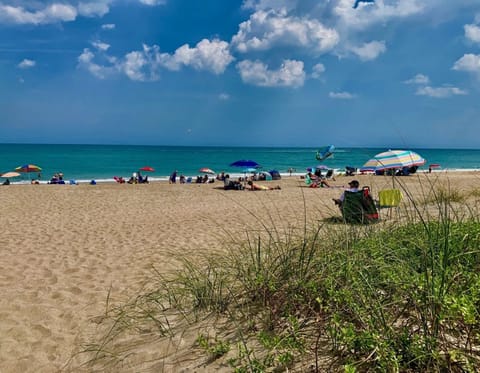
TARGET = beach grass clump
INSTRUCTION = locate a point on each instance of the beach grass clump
(396, 308)
(445, 194)
(402, 296)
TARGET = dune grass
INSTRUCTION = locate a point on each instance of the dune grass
(401, 296)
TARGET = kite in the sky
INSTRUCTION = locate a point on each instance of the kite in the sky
(355, 6)
(325, 152)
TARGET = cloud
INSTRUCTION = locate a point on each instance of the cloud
(317, 71)
(85, 60)
(100, 45)
(144, 65)
(152, 2)
(26, 64)
(224, 96)
(108, 26)
(269, 4)
(369, 51)
(472, 33)
(267, 29)
(341, 95)
(418, 79)
(213, 56)
(440, 92)
(93, 9)
(134, 65)
(376, 13)
(469, 62)
(290, 74)
(52, 13)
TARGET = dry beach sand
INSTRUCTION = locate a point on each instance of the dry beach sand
(65, 248)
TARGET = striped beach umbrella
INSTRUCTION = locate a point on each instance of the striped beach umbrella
(28, 168)
(393, 159)
(10, 174)
(206, 170)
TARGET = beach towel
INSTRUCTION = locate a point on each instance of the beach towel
(389, 197)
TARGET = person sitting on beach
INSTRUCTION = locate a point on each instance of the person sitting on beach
(314, 182)
(254, 186)
(6, 182)
(229, 184)
(182, 179)
(205, 179)
(54, 179)
(353, 187)
(221, 176)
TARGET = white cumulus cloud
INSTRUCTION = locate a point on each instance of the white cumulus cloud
(290, 74)
(144, 65)
(376, 13)
(100, 45)
(85, 60)
(26, 64)
(440, 92)
(418, 79)
(93, 9)
(318, 70)
(267, 29)
(469, 62)
(52, 13)
(207, 55)
(369, 51)
(472, 32)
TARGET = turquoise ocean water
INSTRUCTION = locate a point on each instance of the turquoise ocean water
(103, 162)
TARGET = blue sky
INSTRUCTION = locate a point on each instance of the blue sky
(236, 73)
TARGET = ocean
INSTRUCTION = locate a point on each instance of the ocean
(102, 162)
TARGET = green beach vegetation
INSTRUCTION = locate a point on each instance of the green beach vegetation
(402, 295)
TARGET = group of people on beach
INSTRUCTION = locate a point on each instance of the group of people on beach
(57, 178)
(136, 178)
(317, 179)
(242, 183)
(187, 180)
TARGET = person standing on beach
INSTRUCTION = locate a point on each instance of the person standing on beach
(173, 177)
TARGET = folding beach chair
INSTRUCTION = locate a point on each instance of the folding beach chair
(359, 207)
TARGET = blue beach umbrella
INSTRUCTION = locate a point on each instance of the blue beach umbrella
(245, 163)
